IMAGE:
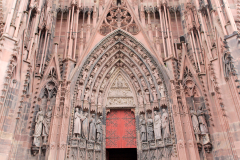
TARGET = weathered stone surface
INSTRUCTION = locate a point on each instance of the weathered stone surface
(65, 65)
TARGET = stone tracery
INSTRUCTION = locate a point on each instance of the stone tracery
(119, 17)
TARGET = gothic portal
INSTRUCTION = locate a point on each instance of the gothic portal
(119, 79)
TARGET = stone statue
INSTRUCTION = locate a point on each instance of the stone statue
(195, 121)
(46, 124)
(79, 92)
(77, 123)
(100, 99)
(143, 128)
(161, 90)
(93, 97)
(202, 121)
(38, 127)
(90, 80)
(150, 129)
(165, 124)
(157, 126)
(87, 94)
(84, 74)
(155, 74)
(92, 129)
(140, 99)
(99, 129)
(154, 94)
(227, 64)
(85, 126)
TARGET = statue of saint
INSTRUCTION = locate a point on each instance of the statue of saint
(86, 96)
(100, 99)
(92, 130)
(99, 129)
(79, 96)
(150, 129)
(157, 126)
(195, 121)
(202, 121)
(46, 124)
(161, 90)
(143, 128)
(165, 124)
(85, 126)
(154, 92)
(227, 64)
(140, 99)
(38, 127)
(77, 123)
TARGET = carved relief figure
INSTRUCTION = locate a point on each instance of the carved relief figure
(150, 129)
(46, 124)
(195, 121)
(99, 129)
(157, 126)
(84, 74)
(92, 130)
(38, 127)
(100, 99)
(140, 98)
(85, 126)
(154, 94)
(143, 128)
(162, 91)
(202, 121)
(77, 123)
(79, 96)
(87, 93)
(165, 124)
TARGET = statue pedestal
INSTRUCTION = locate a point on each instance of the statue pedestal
(82, 143)
(152, 144)
(98, 146)
(35, 150)
(74, 142)
(90, 144)
(144, 145)
(167, 141)
(44, 148)
(160, 143)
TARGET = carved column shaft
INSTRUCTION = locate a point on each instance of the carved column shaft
(182, 151)
(190, 138)
(163, 39)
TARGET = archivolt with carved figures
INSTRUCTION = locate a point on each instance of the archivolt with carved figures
(120, 73)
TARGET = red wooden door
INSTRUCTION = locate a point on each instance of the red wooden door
(120, 129)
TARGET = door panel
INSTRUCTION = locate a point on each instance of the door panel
(120, 129)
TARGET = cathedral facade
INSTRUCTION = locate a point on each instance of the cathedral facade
(119, 79)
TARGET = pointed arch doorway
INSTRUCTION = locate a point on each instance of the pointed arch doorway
(121, 55)
(120, 120)
(121, 135)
